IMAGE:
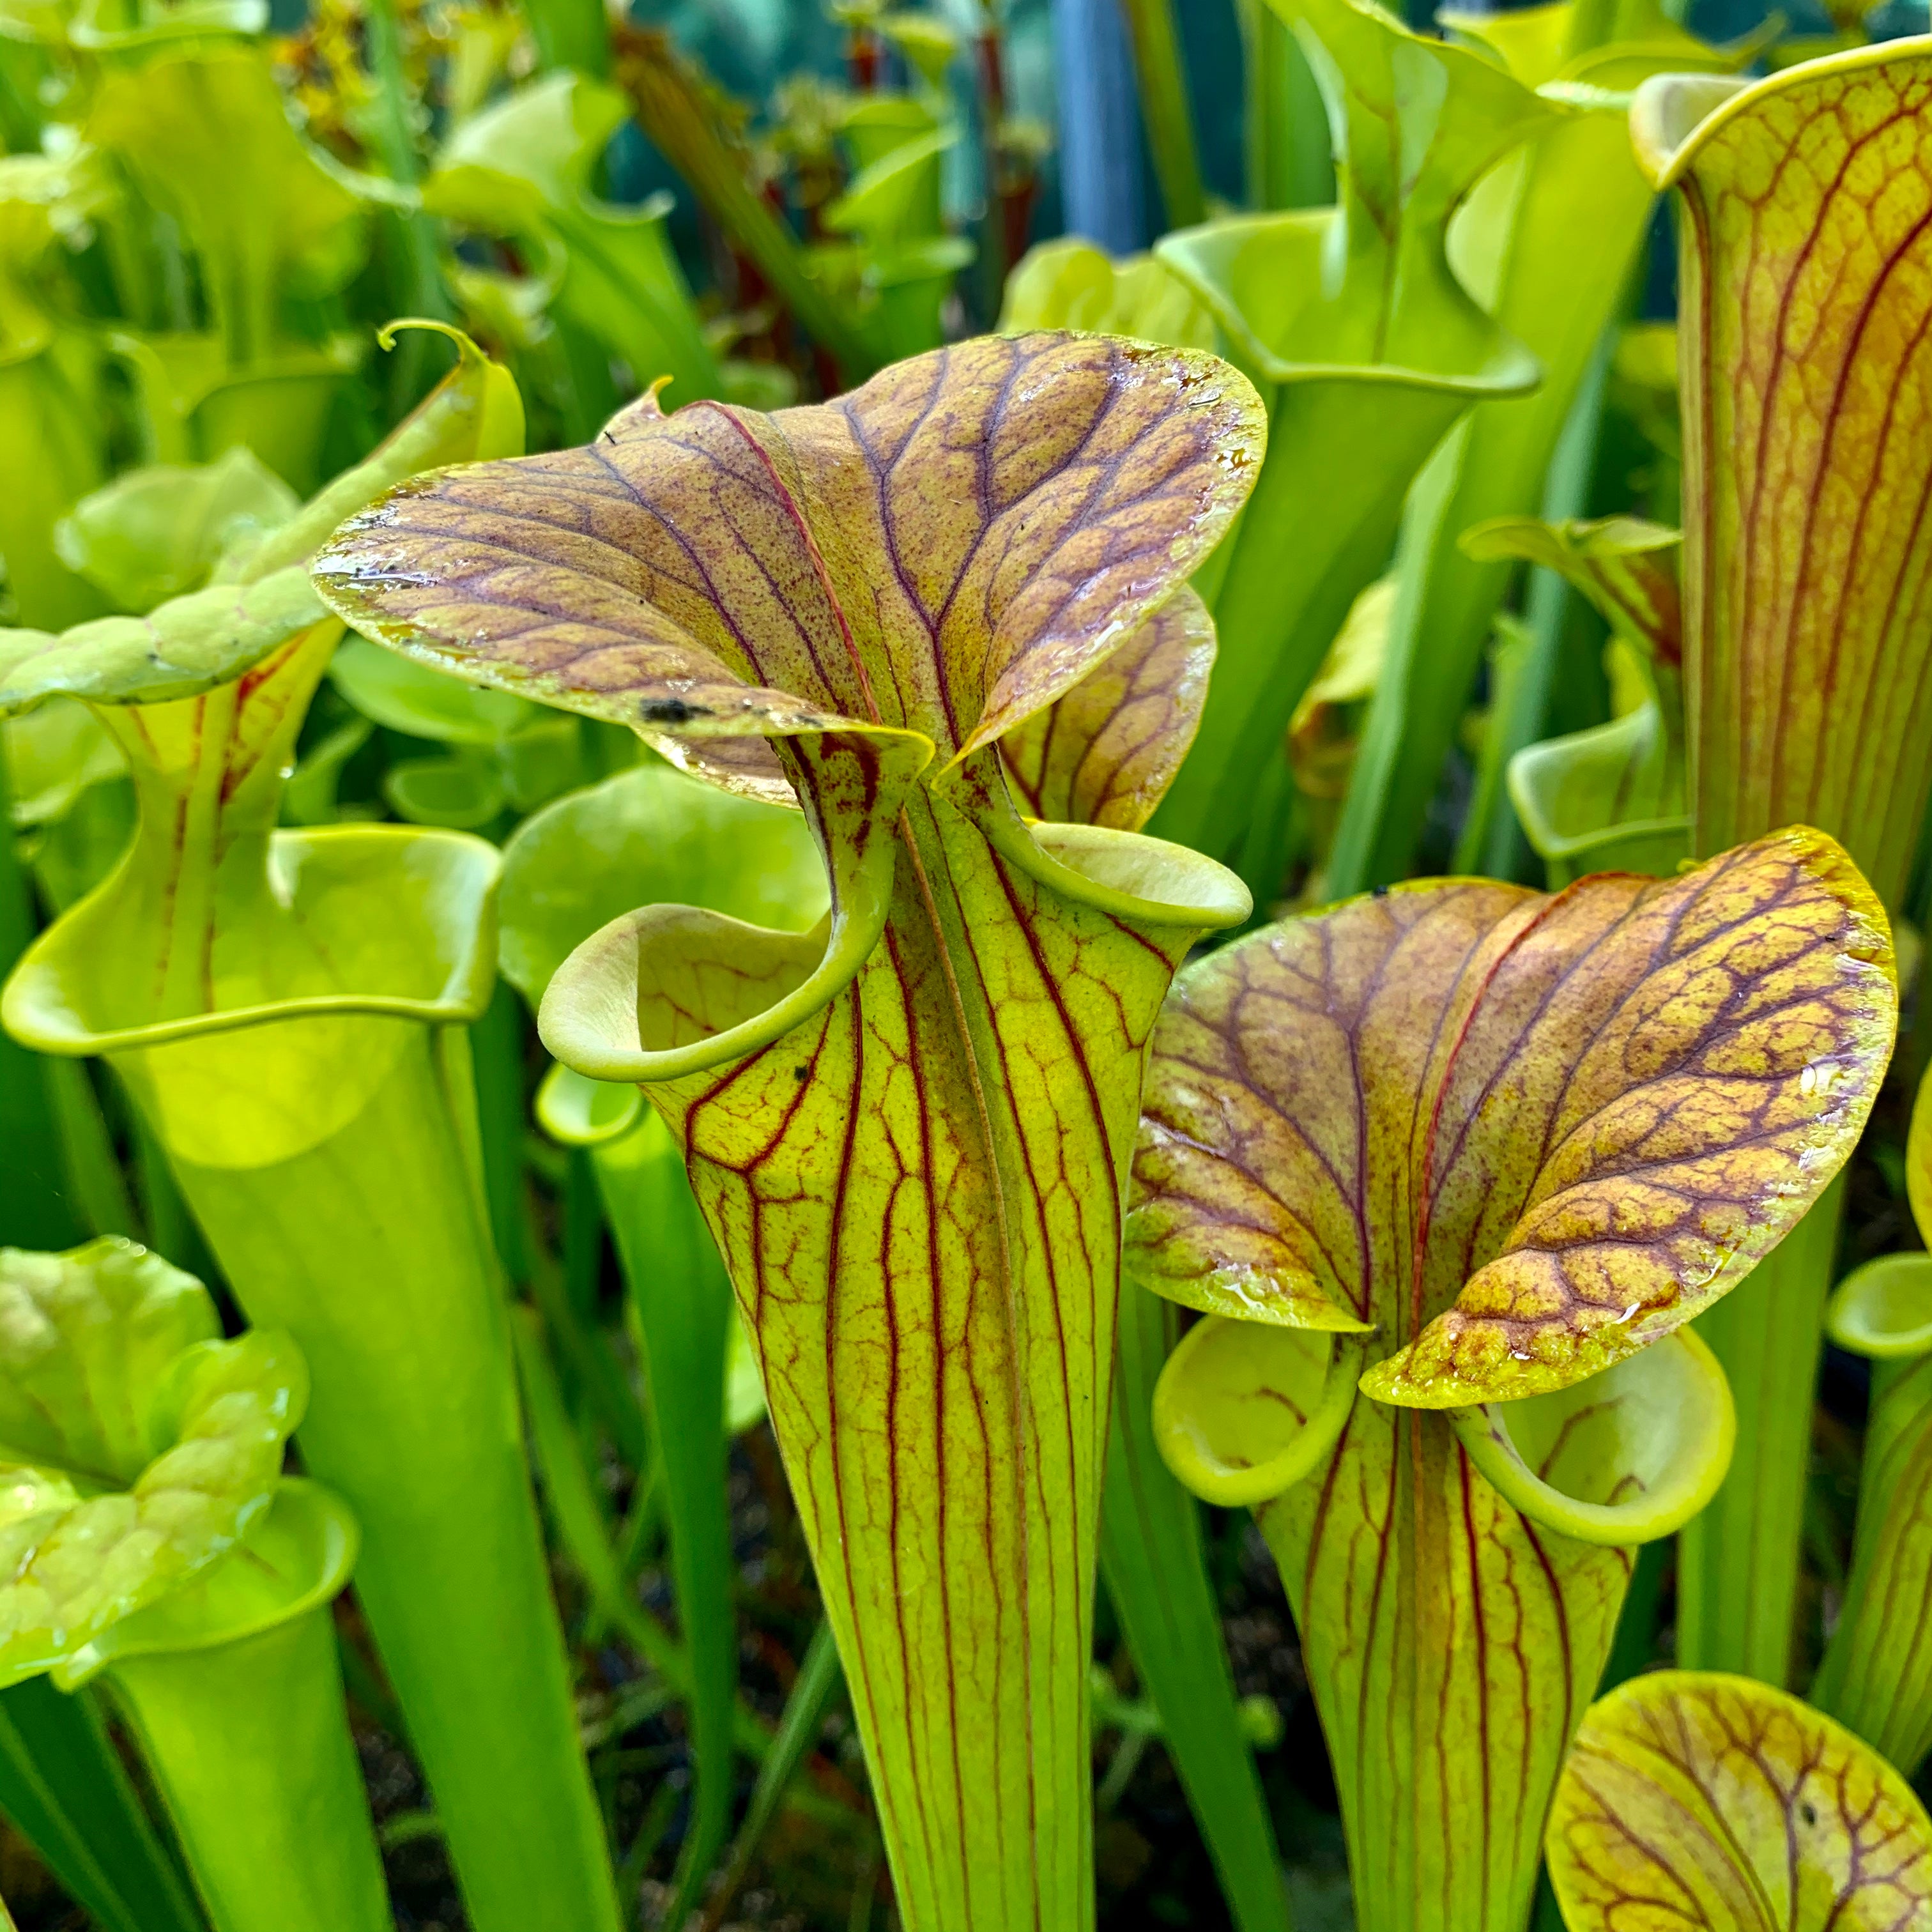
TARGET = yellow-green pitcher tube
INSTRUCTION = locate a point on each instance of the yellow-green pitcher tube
(372, 1247)
(249, 1744)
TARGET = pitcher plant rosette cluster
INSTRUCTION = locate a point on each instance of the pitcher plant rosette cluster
(1448, 1168)
(944, 804)
(946, 615)
(287, 1010)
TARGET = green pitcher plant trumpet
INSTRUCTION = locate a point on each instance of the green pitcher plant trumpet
(1369, 347)
(151, 1542)
(1449, 1167)
(1694, 1798)
(1876, 1675)
(303, 1061)
(908, 1128)
(1514, 244)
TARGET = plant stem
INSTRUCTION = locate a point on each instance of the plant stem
(1737, 1564)
(591, 1362)
(1156, 1578)
(670, 99)
(249, 1743)
(63, 1787)
(1164, 112)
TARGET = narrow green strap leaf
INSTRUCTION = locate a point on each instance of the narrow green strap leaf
(1152, 1558)
(62, 1784)
(817, 1684)
(1713, 1801)
(680, 1302)
(1165, 112)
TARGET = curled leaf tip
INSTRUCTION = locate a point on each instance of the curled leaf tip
(1630, 1456)
(136, 1448)
(1600, 1109)
(1244, 1410)
(946, 550)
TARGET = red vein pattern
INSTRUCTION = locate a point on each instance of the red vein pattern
(1698, 1803)
(1807, 375)
(1451, 1646)
(917, 1186)
(1460, 1111)
(918, 1196)
(207, 773)
(1105, 753)
(1523, 1136)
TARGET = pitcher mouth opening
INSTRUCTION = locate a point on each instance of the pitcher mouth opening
(435, 961)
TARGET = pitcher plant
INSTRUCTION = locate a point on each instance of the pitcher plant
(908, 1128)
(303, 1061)
(1449, 1168)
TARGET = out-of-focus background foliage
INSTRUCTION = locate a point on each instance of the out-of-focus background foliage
(208, 208)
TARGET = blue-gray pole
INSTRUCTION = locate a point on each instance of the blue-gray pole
(1100, 162)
